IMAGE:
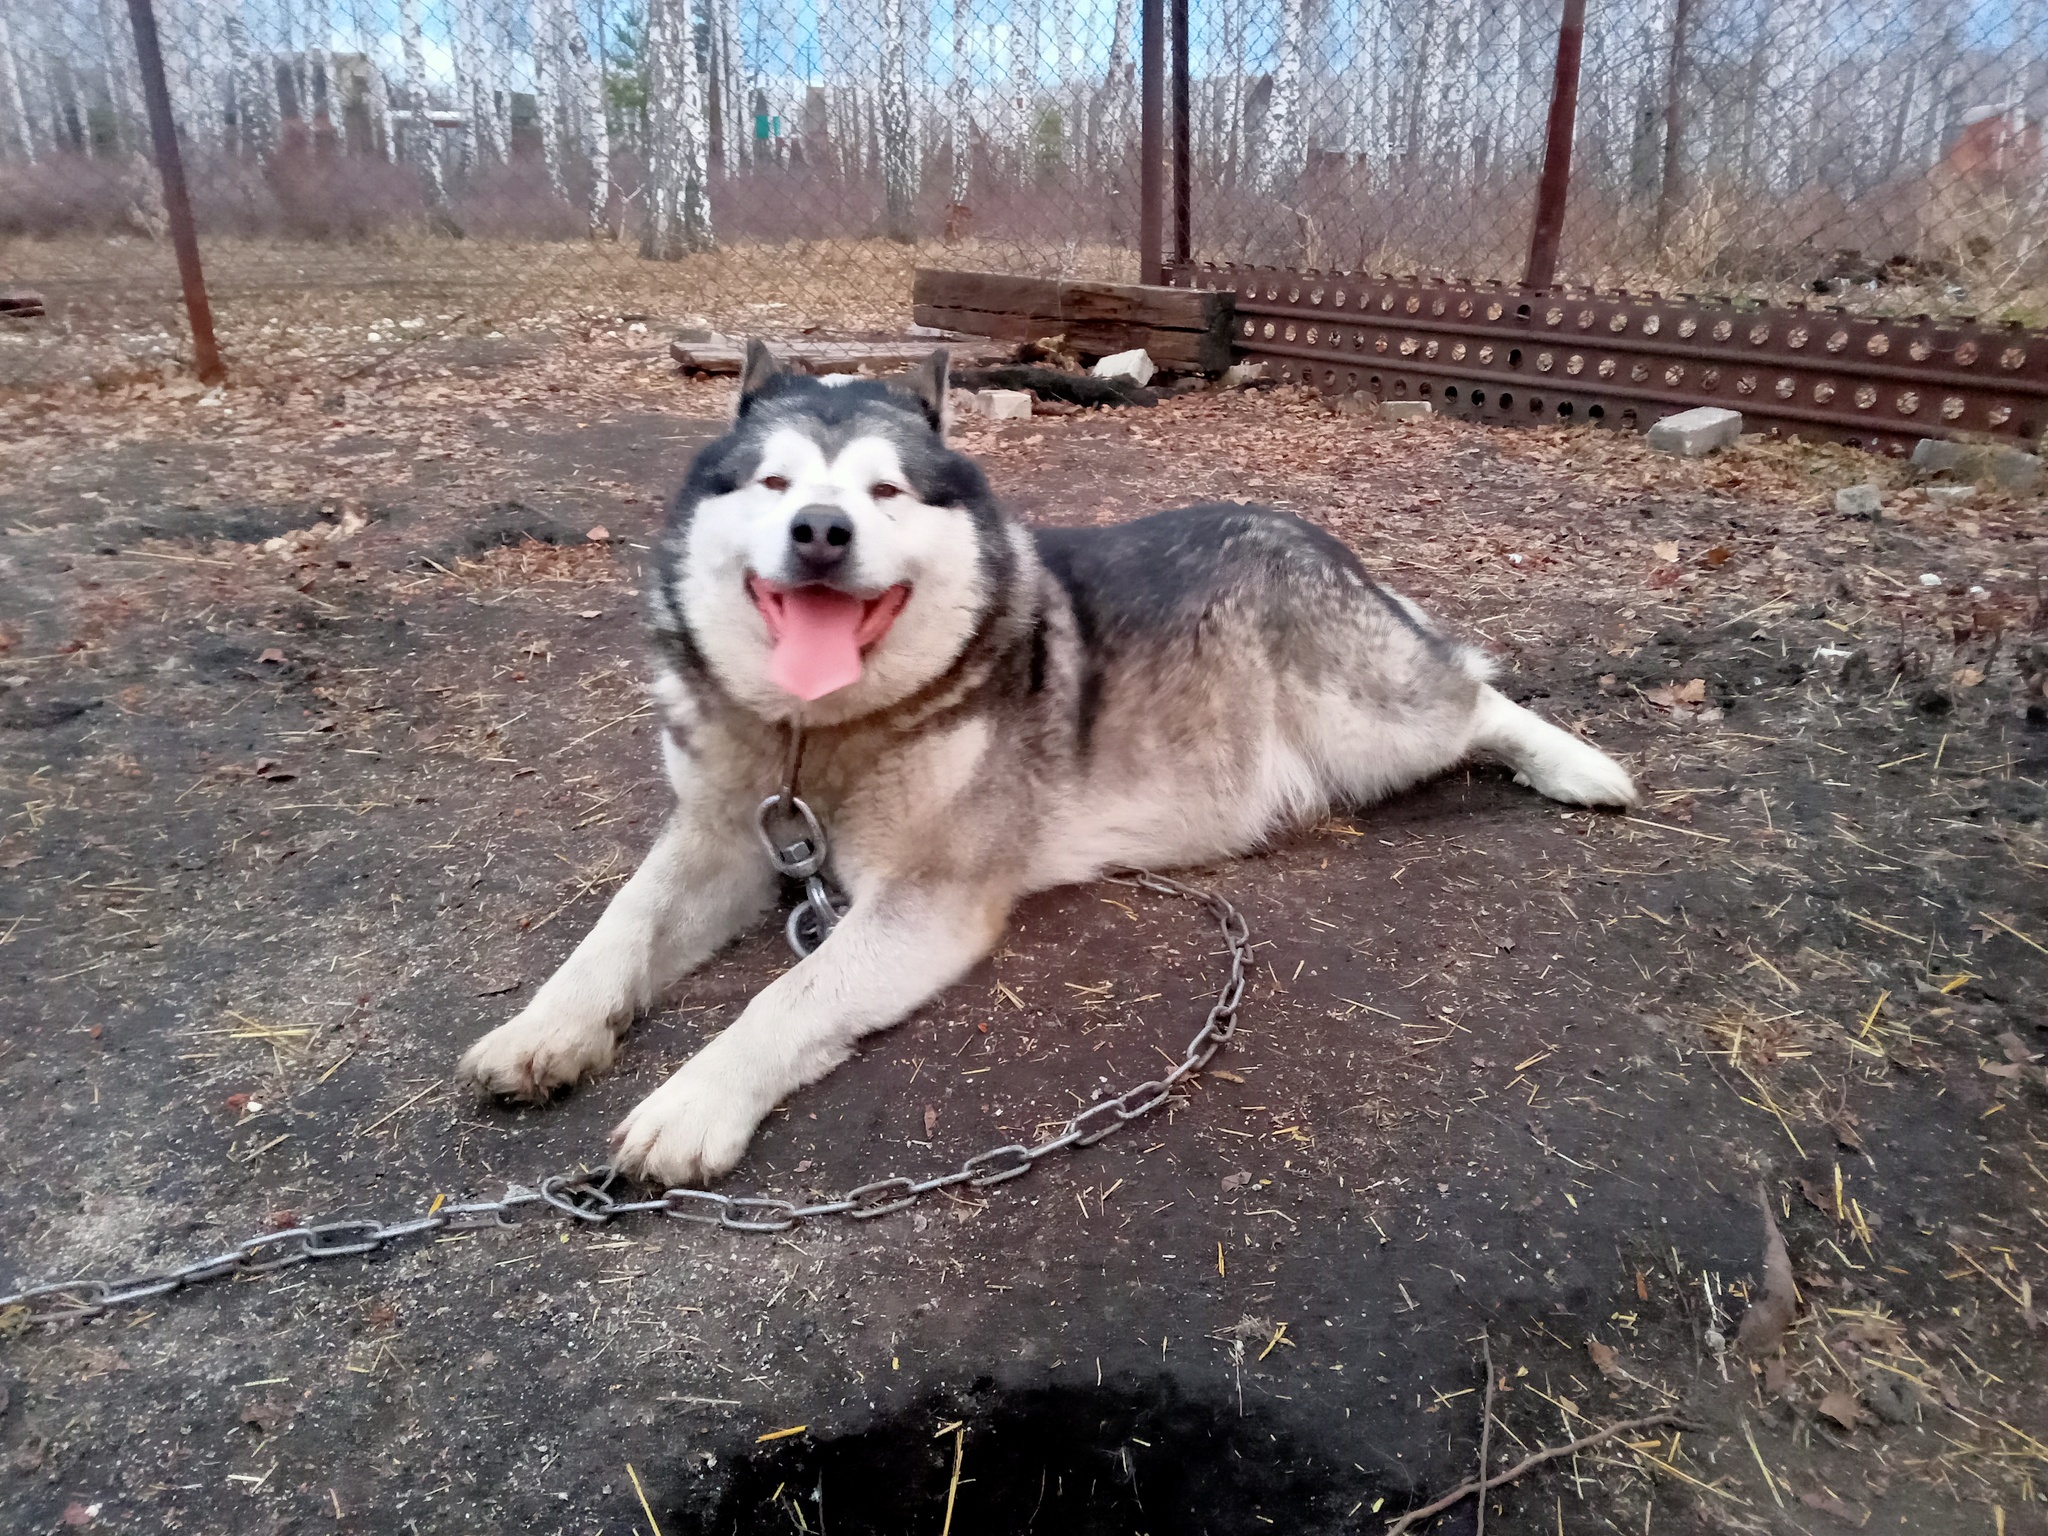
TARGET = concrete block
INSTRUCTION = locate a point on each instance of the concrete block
(1950, 495)
(2009, 469)
(1695, 433)
(1135, 365)
(1406, 410)
(1004, 404)
(1859, 501)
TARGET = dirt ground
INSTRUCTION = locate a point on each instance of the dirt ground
(321, 740)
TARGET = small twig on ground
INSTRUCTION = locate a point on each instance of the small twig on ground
(1485, 1424)
(953, 1489)
(1527, 1464)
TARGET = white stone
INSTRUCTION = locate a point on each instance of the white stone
(1135, 365)
(1004, 404)
(1859, 501)
(1406, 410)
(1695, 433)
(1950, 495)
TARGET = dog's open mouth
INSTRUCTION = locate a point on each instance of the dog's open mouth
(820, 633)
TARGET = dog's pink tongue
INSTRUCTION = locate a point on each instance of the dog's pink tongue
(818, 648)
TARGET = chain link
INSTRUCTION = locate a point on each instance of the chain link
(585, 1196)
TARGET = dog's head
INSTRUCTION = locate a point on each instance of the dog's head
(830, 555)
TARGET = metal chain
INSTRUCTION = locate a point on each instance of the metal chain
(585, 1197)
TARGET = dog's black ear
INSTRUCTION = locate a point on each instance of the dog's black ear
(928, 383)
(761, 369)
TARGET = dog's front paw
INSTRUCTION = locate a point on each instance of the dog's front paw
(692, 1129)
(535, 1053)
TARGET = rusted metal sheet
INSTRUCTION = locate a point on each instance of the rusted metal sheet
(1500, 353)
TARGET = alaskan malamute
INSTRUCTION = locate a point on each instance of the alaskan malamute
(984, 710)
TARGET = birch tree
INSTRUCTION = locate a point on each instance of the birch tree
(421, 134)
(1023, 24)
(899, 148)
(959, 122)
(547, 94)
(678, 204)
(735, 121)
(15, 93)
(1114, 104)
(1281, 155)
(593, 131)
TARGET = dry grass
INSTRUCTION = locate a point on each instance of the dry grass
(293, 308)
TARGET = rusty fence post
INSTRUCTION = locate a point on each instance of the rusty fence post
(1557, 150)
(1183, 169)
(1151, 144)
(163, 132)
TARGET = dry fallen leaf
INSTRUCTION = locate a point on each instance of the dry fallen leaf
(1847, 1131)
(1605, 1361)
(1720, 554)
(1666, 552)
(599, 535)
(1966, 677)
(931, 1120)
(268, 1414)
(273, 656)
(1843, 1408)
(1763, 1326)
(1828, 1504)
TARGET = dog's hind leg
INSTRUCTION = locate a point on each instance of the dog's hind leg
(1551, 761)
(704, 880)
(898, 946)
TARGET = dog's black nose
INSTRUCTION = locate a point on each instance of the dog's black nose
(820, 537)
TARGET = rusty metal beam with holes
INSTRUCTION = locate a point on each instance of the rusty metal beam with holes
(1499, 353)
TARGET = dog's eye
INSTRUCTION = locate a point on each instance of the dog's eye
(775, 482)
(884, 490)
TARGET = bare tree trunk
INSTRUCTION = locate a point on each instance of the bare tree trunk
(421, 137)
(588, 80)
(1117, 92)
(734, 126)
(678, 203)
(1020, 120)
(14, 94)
(547, 92)
(1280, 159)
(899, 148)
(960, 125)
(118, 77)
(464, 56)
(252, 91)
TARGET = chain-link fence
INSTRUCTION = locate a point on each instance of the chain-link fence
(1766, 147)
(364, 171)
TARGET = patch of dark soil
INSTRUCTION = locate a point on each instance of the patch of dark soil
(20, 714)
(1087, 1461)
(513, 522)
(240, 525)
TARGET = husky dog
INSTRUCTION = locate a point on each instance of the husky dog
(984, 711)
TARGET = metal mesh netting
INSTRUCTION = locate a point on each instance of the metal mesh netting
(365, 171)
(1763, 146)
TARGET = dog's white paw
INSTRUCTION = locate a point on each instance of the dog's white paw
(537, 1052)
(692, 1129)
(1577, 774)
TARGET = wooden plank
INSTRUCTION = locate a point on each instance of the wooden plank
(819, 357)
(1182, 351)
(1179, 309)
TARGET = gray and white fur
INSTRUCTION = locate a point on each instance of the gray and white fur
(1047, 704)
